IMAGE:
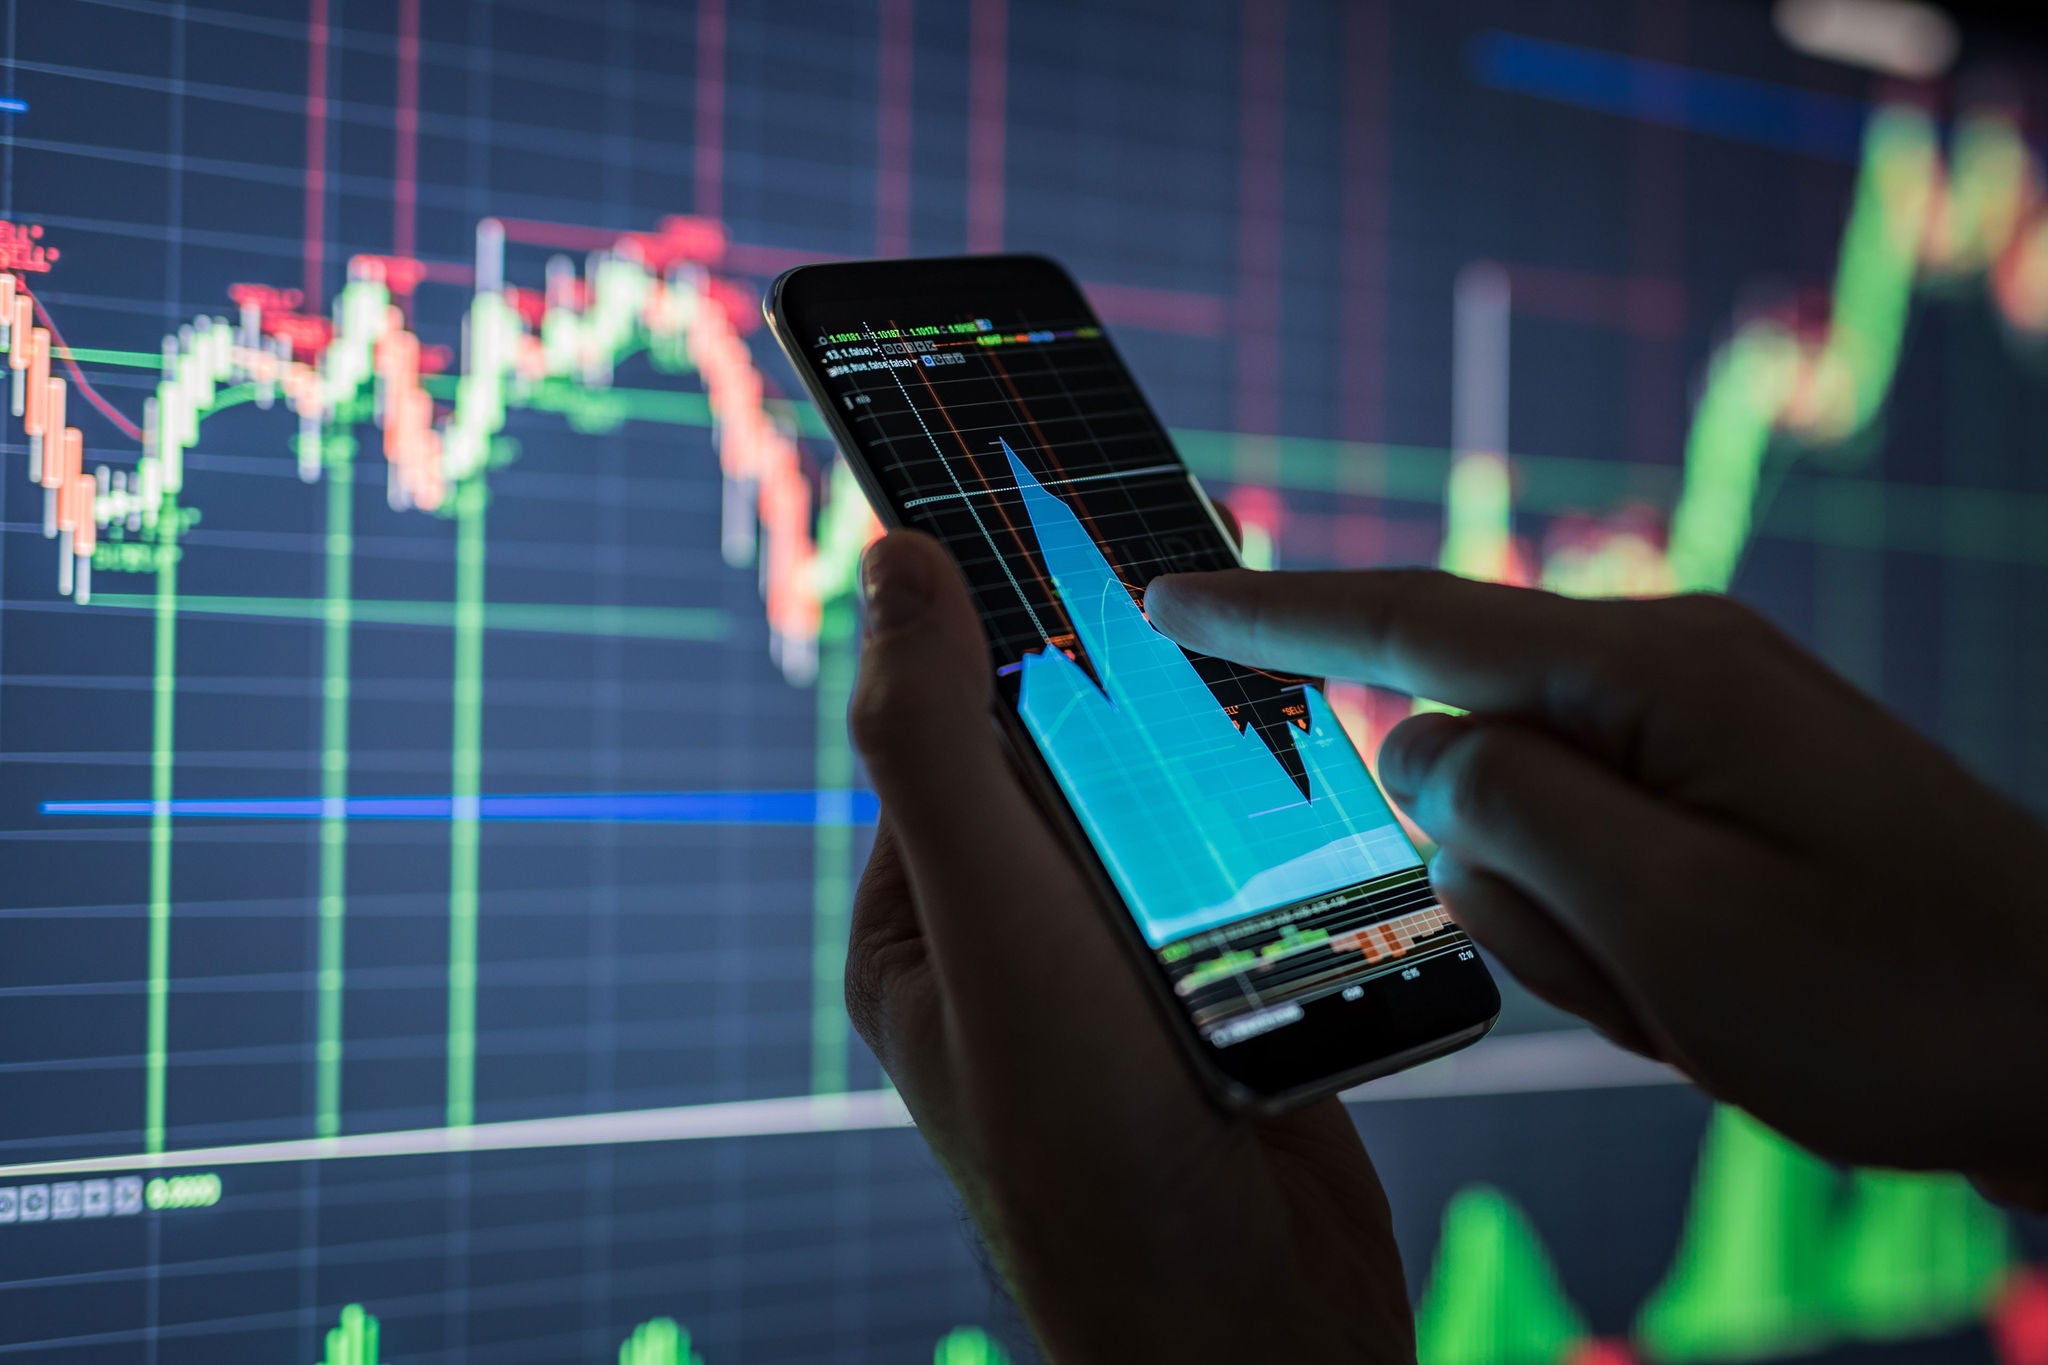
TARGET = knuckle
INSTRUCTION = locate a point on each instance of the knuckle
(1378, 619)
(1680, 641)
(1259, 615)
(1714, 620)
(1603, 680)
(1380, 611)
(884, 951)
(867, 992)
(876, 963)
(888, 999)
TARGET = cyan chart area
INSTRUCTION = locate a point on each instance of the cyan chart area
(1196, 820)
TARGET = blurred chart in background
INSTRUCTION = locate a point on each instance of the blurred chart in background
(426, 817)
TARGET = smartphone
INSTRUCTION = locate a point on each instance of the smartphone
(1270, 896)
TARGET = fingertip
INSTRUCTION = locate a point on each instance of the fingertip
(1194, 609)
(898, 574)
(924, 672)
(1411, 749)
(1166, 601)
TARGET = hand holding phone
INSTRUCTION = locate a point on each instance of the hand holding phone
(1668, 818)
(1268, 896)
(1133, 1218)
(1664, 816)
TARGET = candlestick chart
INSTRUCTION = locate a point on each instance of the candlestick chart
(1919, 223)
(427, 829)
(1790, 379)
(366, 362)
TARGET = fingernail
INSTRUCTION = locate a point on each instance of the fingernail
(1157, 591)
(1166, 602)
(1412, 751)
(894, 583)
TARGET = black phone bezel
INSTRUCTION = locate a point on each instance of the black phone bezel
(1308, 1059)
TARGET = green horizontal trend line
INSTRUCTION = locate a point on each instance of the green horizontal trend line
(88, 355)
(1957, 523)
(1961, 523)
(600, 409)
(542, 618)
(1982, 524)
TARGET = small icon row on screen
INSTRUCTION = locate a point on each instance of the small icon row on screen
(68, 1199)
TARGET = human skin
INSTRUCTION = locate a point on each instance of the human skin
(1668, 818)
(1132, 1218)
(1663, 816)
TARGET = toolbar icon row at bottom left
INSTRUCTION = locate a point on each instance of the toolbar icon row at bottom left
(68, 1199)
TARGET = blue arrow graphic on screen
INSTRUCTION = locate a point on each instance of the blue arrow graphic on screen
(1197, 821)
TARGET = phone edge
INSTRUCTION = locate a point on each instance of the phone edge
(1223, 1088)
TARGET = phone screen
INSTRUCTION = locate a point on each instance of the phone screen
(1259, 862)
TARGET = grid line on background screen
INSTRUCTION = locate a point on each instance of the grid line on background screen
(427, 616)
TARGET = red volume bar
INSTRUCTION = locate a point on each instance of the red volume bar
(1394, 937)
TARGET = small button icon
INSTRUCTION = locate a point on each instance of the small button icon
(97, 1197)
(10, 1205)
(64, 1199)
(35, 1203)
(127, 1196)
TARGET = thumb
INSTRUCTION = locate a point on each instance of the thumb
(1600, 855)
(925, 682)
(994, 889)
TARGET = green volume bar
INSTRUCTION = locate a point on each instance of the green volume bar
(1781, 1255)
(542, 618)
(842, 532)
(466, 786)
(1751, 1276)
(969, 1346)
(831, 851)
(1917, 1255)
(1774, 1261)
(334, 780)
(658, 1341)
(353, 1341)
(1493, 1298)
(162, 759)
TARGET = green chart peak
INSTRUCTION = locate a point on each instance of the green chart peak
(1781, 1254)
(1493, 1298)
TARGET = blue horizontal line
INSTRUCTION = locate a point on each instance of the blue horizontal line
(820, 807)
(1760, 112)
(13, 106)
